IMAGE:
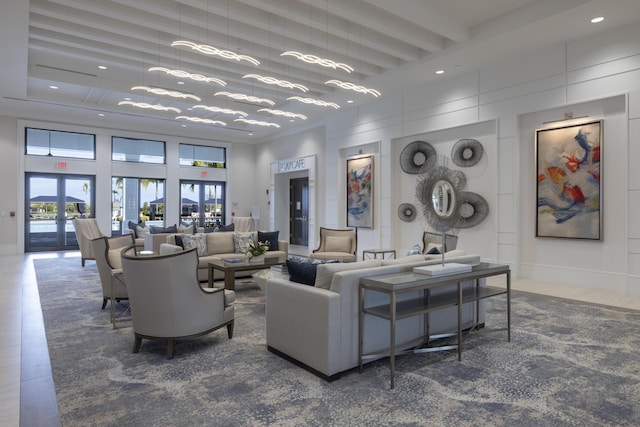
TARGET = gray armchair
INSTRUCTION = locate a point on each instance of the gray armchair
(334, 244)
(167, 301)
(86, 230)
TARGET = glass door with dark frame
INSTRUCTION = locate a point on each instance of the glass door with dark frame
(52, 202)
(135, 200)
(202, 203)
(299, 211)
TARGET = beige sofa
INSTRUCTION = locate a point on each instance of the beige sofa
(317, 326)
(221, 245)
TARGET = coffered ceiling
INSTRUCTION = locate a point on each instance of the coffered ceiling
(389, 44)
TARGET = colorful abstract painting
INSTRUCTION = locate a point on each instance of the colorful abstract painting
(569, 189)
(360, 192)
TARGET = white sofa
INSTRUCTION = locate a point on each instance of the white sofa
(317, 326)
(220, 245)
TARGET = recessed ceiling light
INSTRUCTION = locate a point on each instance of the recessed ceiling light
(597, 19)
(250, 133)
(127, 99)
(102, 67)
(180, 83)
(349, 101)
(101, 114)
(292, 120)
(53, 87)
(184, 126)
(440, 72)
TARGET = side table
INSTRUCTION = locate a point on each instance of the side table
(374, 253)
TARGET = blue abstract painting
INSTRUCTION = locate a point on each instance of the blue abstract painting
(360, 192)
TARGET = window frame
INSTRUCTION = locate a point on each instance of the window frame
(26, 143)
(140, 154)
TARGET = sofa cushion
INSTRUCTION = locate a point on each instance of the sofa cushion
(133, 227)
(448, 255)
(220, 243)
(325, 272)
(198, 241)
(434, 249)
(155, 229)
(271, 237)
(141, 232)
(115, 258)
(404, 260)
(178, 239)
(228, 227)
(186, 228)
(302, 272)
(241, 242)
(337, 244)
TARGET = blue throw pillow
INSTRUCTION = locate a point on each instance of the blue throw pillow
(179, 241)
(228, 227)
(132, 226)
(433, 251)
(302, 272)
(271, 237)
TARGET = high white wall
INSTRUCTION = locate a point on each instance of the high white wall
(9, 177)
(598, 76)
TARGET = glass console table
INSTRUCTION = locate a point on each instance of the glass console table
(398, 283)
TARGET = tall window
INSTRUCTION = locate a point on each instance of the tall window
(202, 156)
(137, 150)
(202, 203)
(42, 142)
(135, 200)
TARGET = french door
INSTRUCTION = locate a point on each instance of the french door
(202, 203)
(52, 202)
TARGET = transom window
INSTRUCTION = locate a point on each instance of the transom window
(43, 142)
(202, 156)
(137, 150)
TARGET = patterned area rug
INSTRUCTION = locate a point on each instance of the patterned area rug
(569, 364)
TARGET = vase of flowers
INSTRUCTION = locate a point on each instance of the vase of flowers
(255, 252)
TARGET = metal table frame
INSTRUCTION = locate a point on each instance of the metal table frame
(398, 283)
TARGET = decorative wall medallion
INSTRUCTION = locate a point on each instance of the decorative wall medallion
(414, 157)
(473, 210)
(407, 212)
(466, 152)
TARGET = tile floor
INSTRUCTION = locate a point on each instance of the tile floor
(27, 395)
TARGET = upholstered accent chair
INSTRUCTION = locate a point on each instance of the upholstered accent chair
(167, 301)
(86, 229)
(342, 243)
(107, 251)
(434, 240)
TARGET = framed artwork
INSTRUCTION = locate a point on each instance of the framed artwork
(360, 192)
(569, 181)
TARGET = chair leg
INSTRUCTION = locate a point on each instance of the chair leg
(104, 303)
(169, 348)
(137, 342)
(83, 262)
(230, 329)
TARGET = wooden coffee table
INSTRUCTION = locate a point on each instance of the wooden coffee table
(230, 270)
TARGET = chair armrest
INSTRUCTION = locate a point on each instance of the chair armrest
(304, 322)
(168, 248)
